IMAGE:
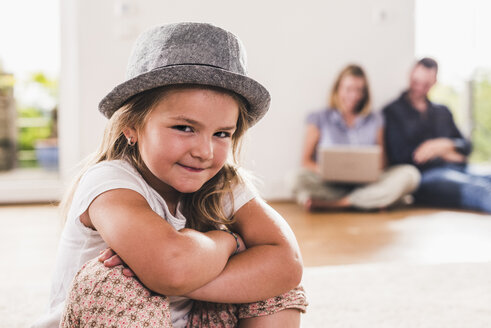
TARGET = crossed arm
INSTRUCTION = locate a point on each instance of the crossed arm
(401, 143)
(197, 264)
(443, 148)
(271, 265)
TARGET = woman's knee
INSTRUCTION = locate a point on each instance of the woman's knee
(304, 179)
(408, 175)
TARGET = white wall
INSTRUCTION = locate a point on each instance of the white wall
(295, 49)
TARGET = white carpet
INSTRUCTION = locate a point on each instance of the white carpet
(399, 295)
(382, 296)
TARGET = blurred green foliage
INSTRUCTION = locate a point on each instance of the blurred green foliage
(28, 135)
(481, 134)
(35, 122)
(480, 112)
(6, 81)
(49, 85)
(450, 97)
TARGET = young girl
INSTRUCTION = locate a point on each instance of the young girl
(349, 121)
(164, 194)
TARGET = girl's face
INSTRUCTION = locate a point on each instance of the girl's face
(350, 92)
(186, 139)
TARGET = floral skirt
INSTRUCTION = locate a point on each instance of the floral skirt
(104, 297)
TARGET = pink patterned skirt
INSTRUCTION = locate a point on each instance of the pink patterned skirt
(104, 297)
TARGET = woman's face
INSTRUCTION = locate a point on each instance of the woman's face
(187, 138)
(350, 92)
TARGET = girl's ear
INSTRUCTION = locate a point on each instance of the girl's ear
(130, 134)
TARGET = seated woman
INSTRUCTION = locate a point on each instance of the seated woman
(349, 121)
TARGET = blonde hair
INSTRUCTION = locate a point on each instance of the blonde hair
(364, 106)
(203, 209)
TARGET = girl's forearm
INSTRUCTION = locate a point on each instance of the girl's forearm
(202, 259)
(256, 274)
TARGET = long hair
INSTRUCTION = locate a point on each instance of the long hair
(203, 209)
(364, 105)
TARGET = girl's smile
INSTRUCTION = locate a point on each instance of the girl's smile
(190, 168)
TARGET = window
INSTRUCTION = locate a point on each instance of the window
(455, 33)
(29, 69)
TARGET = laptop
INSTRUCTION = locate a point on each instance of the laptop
(350, 164)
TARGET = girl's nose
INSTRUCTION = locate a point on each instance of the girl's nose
(203, 149)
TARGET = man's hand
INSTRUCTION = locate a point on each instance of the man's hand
(454, 157)
(433, 148)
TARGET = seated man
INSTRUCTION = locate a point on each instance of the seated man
(424, 134)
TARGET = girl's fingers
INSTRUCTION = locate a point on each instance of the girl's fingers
(105, 254)
(242, 246)
(127, 272)
(113, 261)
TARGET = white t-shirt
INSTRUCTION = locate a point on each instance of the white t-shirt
(79, 244)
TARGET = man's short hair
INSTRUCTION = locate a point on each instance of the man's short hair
(428, 63)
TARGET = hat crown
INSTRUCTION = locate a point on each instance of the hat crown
(186, 44)
(188, 53)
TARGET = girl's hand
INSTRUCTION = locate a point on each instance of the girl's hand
(111, 259)
(242, 246)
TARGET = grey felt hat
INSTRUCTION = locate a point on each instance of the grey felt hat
(188, 53)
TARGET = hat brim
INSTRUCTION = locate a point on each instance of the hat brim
(254, 93)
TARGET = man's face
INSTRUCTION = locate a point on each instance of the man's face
(421, 80)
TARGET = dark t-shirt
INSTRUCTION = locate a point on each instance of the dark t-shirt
(406, 128)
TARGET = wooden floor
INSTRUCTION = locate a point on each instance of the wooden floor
(411, 235)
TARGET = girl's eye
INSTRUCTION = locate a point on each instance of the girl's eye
(183, 128)
(222, 134)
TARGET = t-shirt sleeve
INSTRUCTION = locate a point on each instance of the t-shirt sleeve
(242, 194)
(314, 119)
(100, 178)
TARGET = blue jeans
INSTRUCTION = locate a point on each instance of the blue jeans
(454, 186)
